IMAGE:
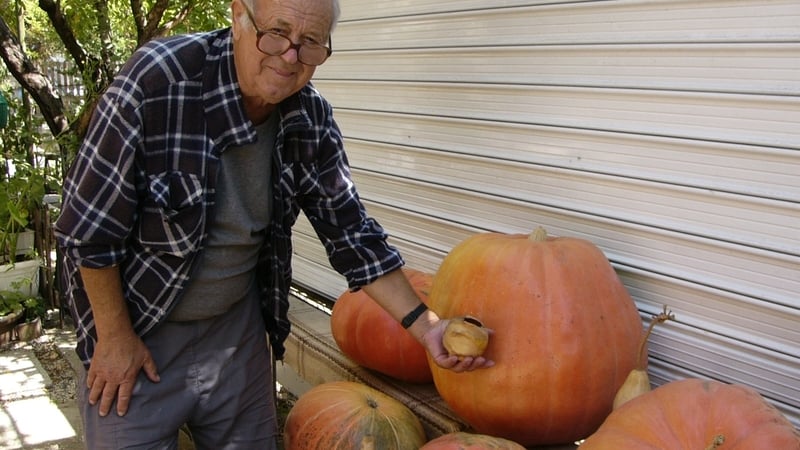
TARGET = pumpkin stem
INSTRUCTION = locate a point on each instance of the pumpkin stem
(659, 318)
(718, 440)
(538, 235)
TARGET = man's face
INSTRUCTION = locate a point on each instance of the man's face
(264, 79)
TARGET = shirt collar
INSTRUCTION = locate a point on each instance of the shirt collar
(225, 117)
(227, 122)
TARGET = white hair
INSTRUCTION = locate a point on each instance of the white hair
(337, 11)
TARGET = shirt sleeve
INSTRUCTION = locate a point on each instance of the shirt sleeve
(99, 197)
(356, 243)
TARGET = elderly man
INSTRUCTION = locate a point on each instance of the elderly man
(176, 228)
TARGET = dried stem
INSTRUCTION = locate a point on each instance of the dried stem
(658, 318)
(718, 440)
(538, 235)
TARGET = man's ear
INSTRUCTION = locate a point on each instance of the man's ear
(239, 19)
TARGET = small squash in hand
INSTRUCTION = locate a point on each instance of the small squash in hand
(469, 441)
(345, 415)
(465, 336)
(696, 414)
(369, 336)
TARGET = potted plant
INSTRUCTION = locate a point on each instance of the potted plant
(34, 312)
(22, 188)
(11, 311)
(22, 313)
(21, 193)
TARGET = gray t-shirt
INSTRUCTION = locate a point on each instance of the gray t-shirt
(226, 274)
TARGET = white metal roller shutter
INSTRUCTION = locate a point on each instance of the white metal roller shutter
(666, 132)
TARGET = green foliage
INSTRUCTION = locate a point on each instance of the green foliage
(206, 15)
(34, 308)
(86, 24)
(21, 133)
(10, 302)
(39, 38)
(23, 184)
(107, 33)
(20, 194)
(15, 301)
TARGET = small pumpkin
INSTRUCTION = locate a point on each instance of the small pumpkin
(565, 335)
(696, 414)
(369, 336)
(461, 440)
(345, 415)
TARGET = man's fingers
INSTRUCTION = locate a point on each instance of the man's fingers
(463, 364)
(481, 363)
(95, 391)
(151, 370)
(124, 398)
(107, 399)
(90, 377)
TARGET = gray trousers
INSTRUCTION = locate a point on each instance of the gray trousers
(216, 377)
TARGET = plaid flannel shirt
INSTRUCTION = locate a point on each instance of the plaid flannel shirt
(142, 186)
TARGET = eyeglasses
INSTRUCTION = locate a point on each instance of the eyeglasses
(273, 43)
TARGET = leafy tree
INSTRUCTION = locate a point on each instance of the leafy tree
(95, 37)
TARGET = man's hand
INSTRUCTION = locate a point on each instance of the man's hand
(113, 371)
(393, 292)
(119, 354)
(432, 340)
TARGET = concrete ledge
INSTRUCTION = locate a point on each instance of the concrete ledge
(313, 357)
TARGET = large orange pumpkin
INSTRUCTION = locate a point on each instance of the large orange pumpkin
(369, 336)
(696, 414)
(469, 441)
(565, 336)
(345, 415)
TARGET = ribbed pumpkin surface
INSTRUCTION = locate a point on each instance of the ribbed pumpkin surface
(344, 415)
(372, 338)
(565, 335)
(470, 441)
(696, 414)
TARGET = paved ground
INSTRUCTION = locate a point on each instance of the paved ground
(32, 414)
(37, 395)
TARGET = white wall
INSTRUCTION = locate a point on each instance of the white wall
(666, 132)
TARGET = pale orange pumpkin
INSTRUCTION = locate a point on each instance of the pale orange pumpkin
(369, 336)
(345, 415)
(695, 414)
(565, 335)
(470, 441)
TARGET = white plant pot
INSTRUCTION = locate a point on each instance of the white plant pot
(24, 274)
(25, 245)
(26, 240)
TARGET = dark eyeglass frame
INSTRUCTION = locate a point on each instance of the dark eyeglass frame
(291, 45)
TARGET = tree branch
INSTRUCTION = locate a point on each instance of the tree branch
(154, 17)
(104, 29)
(32, 80)
(92, 69)
(179, 18)
(138, 18)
